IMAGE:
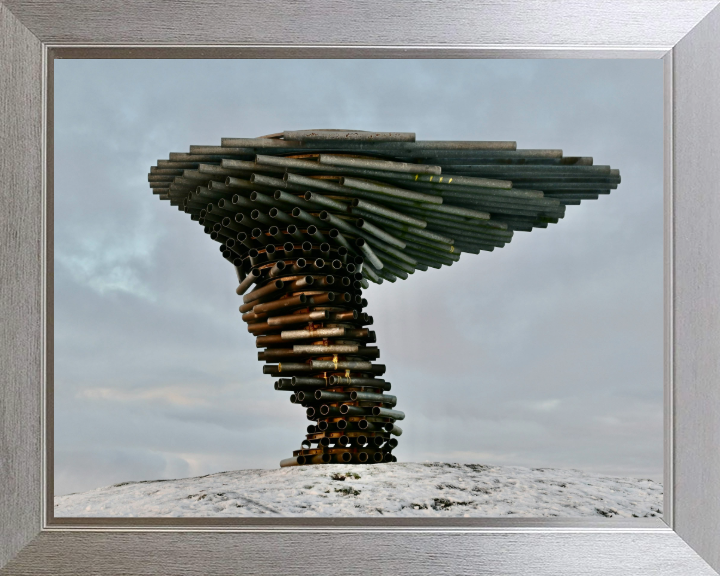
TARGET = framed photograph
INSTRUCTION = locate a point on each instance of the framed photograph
(683, 34)
(491, 359)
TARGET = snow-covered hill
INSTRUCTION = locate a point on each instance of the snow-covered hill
(399, 489)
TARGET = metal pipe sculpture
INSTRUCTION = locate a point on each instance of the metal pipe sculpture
(309, 217)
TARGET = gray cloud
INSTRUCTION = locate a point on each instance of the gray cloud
(545, 353)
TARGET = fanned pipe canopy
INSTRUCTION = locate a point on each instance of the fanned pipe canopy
(309, 217)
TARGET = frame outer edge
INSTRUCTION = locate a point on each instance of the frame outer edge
(696, 178)
(397, 553)
(21, 280)
(366, 22)
(20, 354)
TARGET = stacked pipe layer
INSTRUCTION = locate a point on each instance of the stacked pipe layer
(309, 217)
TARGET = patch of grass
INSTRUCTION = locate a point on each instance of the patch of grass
(444, 504)
(607, 512)
(341, 477)
(483, 490)
(347, 491)
(450, 487)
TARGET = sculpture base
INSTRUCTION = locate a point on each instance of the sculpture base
(358, 455)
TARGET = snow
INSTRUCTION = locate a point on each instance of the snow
(396, 489)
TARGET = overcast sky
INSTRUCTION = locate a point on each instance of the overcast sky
(546, 353)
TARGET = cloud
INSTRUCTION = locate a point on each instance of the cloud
(546, 405)
(166, 395)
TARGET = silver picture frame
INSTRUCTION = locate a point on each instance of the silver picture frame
(684, 33)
